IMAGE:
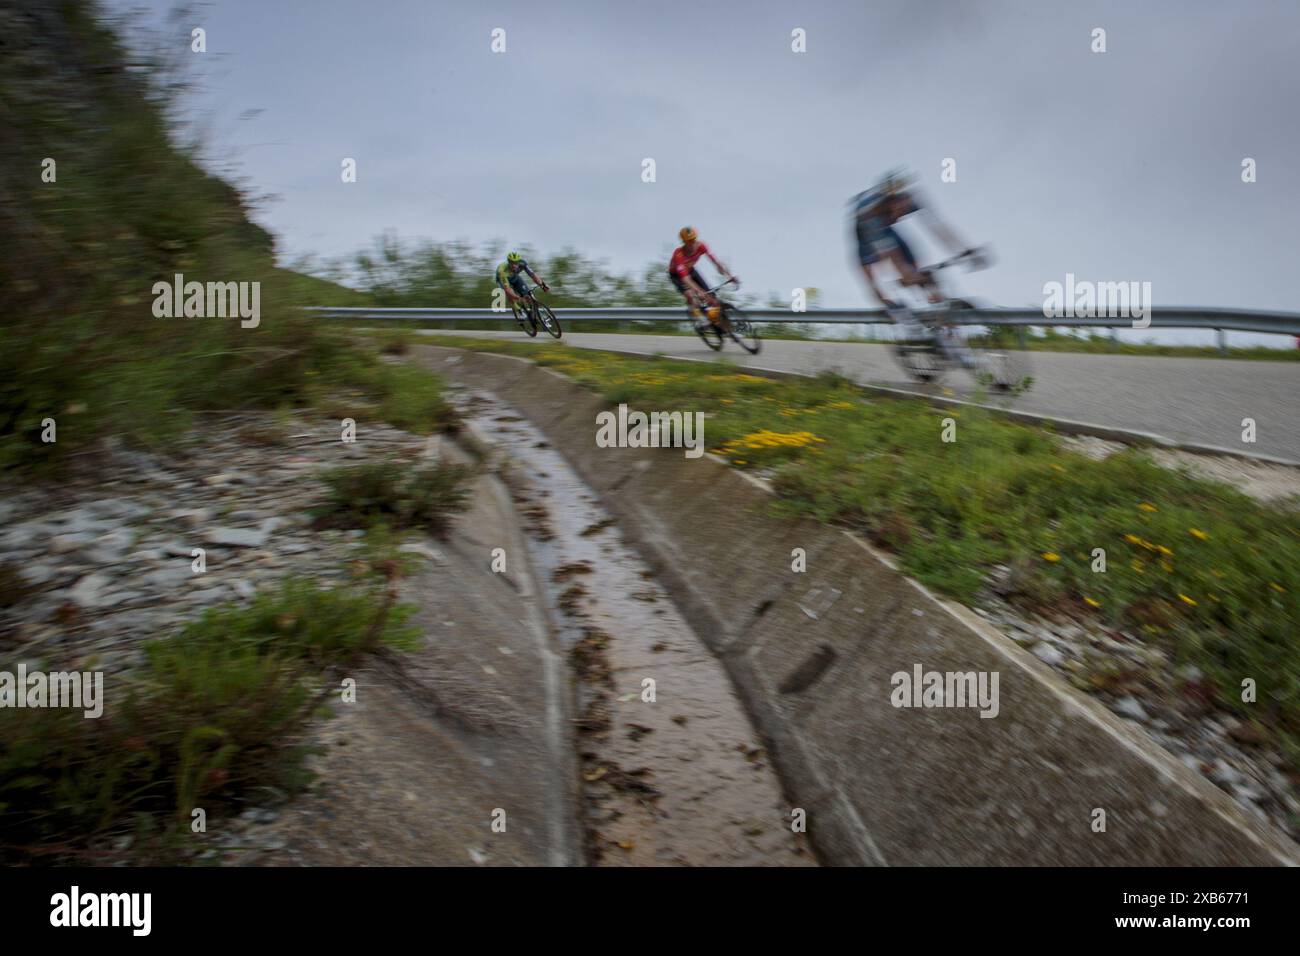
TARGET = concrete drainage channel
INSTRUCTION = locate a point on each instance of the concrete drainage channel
(1052, 779)
(672, 772)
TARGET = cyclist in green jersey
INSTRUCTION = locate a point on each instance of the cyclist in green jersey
(510, 279)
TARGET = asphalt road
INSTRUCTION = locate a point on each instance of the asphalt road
(1198, 401)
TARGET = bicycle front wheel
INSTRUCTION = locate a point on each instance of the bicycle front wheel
(1005, 370)
(548, 320)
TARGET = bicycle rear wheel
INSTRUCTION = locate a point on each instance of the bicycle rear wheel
(743, 332)
(922, 363)
(548, 320)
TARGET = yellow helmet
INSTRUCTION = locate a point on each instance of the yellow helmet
(688, 234)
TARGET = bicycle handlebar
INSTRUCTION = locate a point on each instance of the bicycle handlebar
(978, 259)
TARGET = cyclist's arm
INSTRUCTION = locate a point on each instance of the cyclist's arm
(945, 233)
(718, 265)
(536, 278)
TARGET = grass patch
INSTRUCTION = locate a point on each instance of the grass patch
(1190, 563)
(216, 715)
(395, 495)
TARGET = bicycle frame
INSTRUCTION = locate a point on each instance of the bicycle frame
(713, 292)
(528, 294)
(934, 312)
(943, 341)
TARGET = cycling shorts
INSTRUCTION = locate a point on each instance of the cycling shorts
(877, 238)
(695, 277)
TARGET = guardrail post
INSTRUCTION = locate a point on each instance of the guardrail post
(1020, 337)
(1223, 340)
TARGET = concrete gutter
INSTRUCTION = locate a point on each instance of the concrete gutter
(812, 655)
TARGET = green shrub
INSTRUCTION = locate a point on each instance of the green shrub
(394, 494)
(217, 714)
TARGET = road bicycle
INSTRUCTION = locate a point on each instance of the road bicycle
(534, 314)
(929, 341)
(739, 326)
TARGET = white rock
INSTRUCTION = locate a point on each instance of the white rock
(1048, 654)
(90, 591)
(236, 537)
(37, 574)
(1130, 707)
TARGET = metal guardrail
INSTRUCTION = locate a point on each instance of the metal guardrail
(1220, 320)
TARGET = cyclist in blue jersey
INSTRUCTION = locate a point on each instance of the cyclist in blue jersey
(874, 213)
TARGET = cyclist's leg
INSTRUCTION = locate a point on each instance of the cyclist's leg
(687, 293)
(515, 306)
(520, 288)
(709, 302)
(895, 248)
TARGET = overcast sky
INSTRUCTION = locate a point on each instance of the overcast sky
(1123, 165)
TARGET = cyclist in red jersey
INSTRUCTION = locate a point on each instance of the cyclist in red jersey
(682, 272)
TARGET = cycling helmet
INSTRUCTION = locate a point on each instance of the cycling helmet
(513, 257)
(688, 234)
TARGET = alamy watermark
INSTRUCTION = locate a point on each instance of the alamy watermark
(211, 300)
(58, 689)
(922, 688)
(653, 430)
(133, 911)
(1082, 298)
